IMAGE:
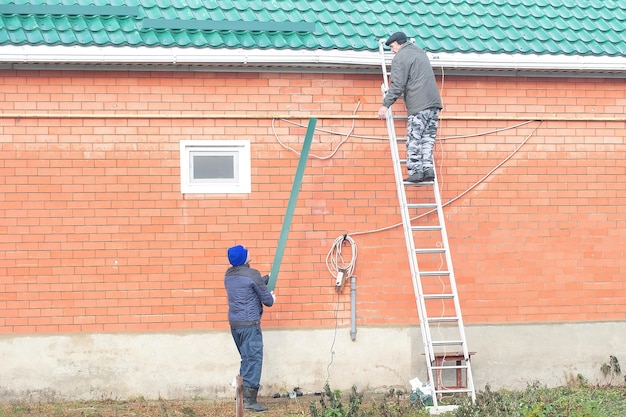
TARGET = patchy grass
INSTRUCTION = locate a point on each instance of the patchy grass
(283, 407)
(534, 401)
(539, 401)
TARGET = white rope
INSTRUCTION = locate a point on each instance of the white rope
(335, 261)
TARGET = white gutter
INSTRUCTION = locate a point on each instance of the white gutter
(145, 55)
(523, 62)
(29, 54)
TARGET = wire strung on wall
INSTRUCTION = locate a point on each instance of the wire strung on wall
(344, 140)
(332, 345)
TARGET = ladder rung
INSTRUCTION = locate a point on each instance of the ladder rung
(450, 390)
(421, 205)
(438, 296)
(425, 228)
(453, 367)
(430, 250)
(443, 319)
(434, 273)
(418, 184)
(446, 342)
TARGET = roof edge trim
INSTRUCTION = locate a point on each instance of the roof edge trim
(43, 54)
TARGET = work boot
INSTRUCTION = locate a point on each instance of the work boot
(429, 174)
(249, 400)
(417, 177)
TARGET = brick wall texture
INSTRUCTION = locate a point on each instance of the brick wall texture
(95, 235)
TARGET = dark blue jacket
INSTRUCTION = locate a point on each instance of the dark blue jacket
(247, 293)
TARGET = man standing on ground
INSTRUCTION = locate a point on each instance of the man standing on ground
(412, 75)
(247, 294)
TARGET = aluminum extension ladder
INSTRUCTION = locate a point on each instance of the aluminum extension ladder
(434, 285)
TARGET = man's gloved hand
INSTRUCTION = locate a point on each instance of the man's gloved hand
(273, 295)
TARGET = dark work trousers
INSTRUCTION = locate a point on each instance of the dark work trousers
(249, 341)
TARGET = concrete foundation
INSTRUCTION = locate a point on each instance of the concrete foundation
(203, 364)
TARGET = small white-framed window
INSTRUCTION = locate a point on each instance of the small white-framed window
(215, 166)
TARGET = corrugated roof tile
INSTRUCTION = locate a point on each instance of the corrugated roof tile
(370, 18)
(497, 26)
(612, 38)
(362, 7)
(407, 9)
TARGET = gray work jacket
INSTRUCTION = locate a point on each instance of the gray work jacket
(413, 76)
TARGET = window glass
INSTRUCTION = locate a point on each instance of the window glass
(215, 166)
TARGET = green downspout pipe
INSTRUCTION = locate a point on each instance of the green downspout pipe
(291, 206)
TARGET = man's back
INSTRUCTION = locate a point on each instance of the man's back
(246, 293)
(412, 75)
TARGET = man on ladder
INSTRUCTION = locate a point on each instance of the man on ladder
(412, 75)
(434, 284)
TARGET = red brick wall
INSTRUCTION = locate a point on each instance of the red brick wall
(96, 237)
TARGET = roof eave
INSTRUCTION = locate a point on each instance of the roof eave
(23, 56)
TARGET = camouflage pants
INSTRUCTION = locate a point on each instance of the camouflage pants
(420, 140)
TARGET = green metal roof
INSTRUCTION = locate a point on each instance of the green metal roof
(558, 27)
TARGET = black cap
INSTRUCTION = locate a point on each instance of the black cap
(399, 37)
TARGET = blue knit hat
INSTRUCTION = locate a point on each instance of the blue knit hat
(237, 255)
